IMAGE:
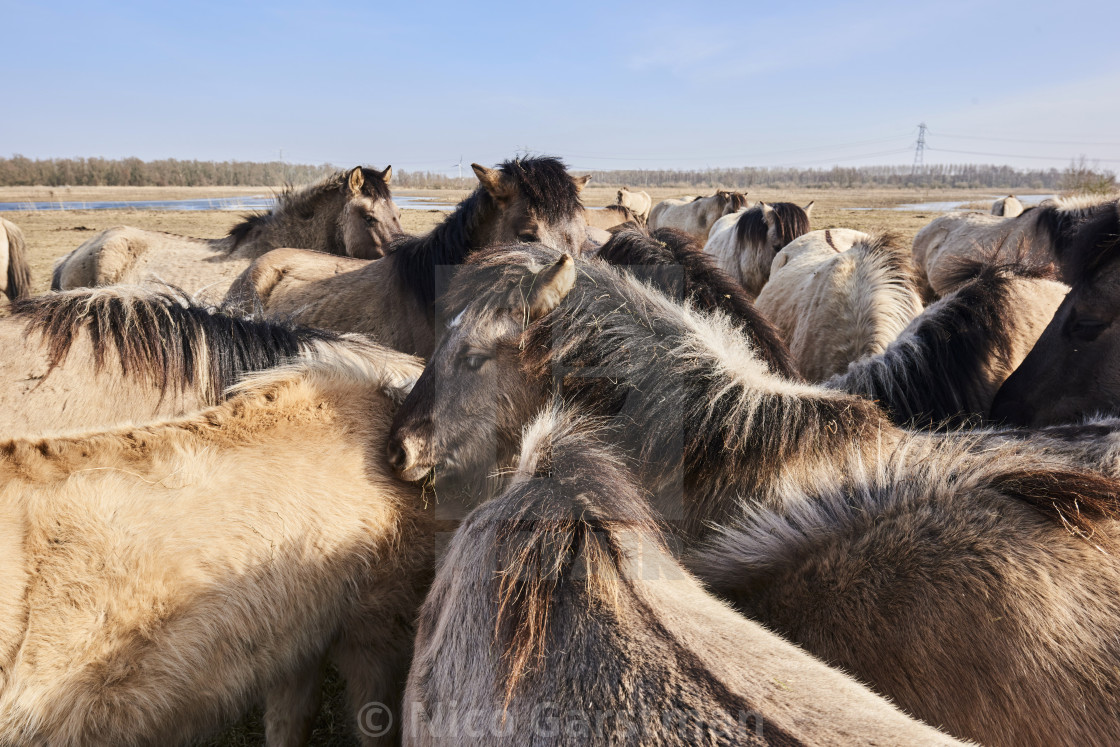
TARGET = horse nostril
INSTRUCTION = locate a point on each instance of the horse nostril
(398, 458)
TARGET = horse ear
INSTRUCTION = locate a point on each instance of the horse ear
(581, 181)
(492, 181)
(550, 286)
(356, 179)
(387, 175)
(809, 207)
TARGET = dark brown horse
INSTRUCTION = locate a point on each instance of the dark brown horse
(965, 579)
(531, 199)
(1074, 369)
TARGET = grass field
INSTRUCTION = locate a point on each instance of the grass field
(52, 233)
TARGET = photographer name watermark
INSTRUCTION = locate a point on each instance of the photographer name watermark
(455, 720)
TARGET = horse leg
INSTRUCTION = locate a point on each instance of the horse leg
(291, 706)
(375, 671)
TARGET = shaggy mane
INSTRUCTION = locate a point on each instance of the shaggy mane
(707, 286)
(162, 337)
(790, 221)
(927, 377)
(544, 182)
(302, 202)
(663, 372)
(19, 272)
(558, 512)
(1091, 243)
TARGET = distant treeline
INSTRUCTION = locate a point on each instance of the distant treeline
(132, 172)
(19, 171)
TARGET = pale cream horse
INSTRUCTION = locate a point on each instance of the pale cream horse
(157, 580)
(350, 213)
(839, 295)
(695, 215)
(96, 358)
(639, 202)
(15, 275)
(1008, 207)
(1032, 237)
(745, 242)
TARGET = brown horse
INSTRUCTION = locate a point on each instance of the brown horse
(350, 213)
(159, 579)
(97, 358)
(945, 368)
(15, 274)
(393, 299)
(835, 306)
(962, 578)
(558, 616)
(1072, 371)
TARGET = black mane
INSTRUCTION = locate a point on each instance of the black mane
(929, 376)
(707, 286)
(162, 337)
(1088, 244)
(545, 184)
(790, 221)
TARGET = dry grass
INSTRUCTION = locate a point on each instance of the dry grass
(51, 234)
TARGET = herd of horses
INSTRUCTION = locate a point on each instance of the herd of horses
(674, 473)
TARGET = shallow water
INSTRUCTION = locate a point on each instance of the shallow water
(246, 203)
(950, 205)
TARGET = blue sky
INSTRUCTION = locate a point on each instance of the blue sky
(603, 84)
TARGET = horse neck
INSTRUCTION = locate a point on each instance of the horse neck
(788, 438)
(320, 232)
(416, 259)
(707, 429)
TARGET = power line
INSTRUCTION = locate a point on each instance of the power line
(1031, 142)
(810, 149)
(1013, 155)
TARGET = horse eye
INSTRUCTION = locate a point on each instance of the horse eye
(369, 219)
(474, 362)
(1087, 329)
(527, 236)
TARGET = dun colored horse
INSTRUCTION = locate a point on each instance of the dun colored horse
(558, 616)
(393, 299)
(350, 214)
(975, 583)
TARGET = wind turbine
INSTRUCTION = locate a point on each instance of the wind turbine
(460, 166)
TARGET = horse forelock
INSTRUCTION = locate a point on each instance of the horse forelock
(161, 337)
(547, 187)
